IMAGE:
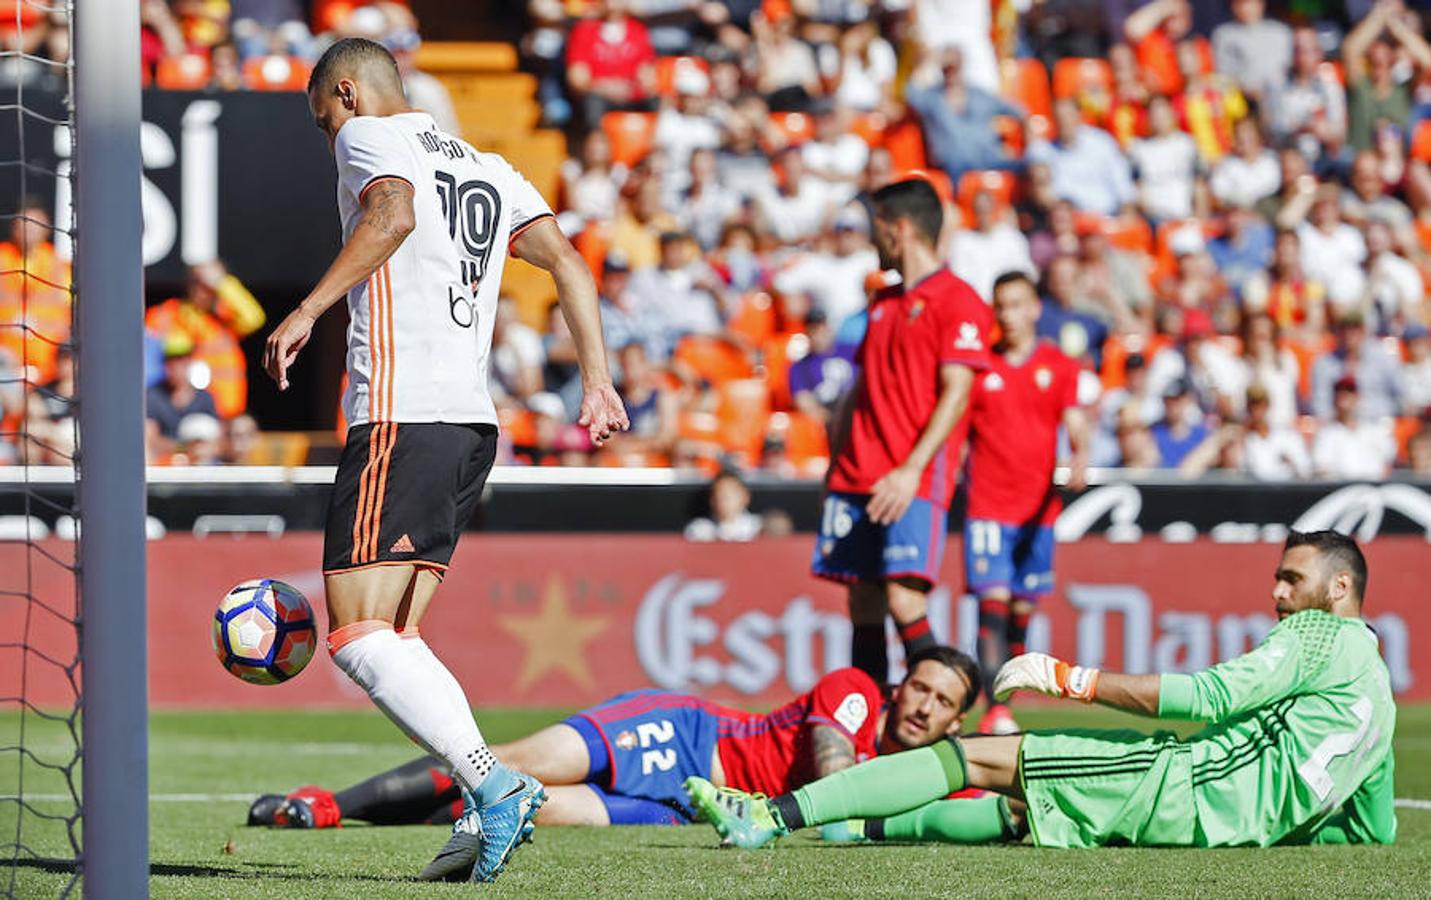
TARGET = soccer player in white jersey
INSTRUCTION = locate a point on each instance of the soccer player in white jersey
(427, 226)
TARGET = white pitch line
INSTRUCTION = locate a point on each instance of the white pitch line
(1401, 802)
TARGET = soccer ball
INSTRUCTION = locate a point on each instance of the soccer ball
(263, 631)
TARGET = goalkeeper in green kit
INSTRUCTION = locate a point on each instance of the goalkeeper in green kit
(1297, 749)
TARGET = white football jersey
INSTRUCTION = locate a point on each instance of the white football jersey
(420, 329)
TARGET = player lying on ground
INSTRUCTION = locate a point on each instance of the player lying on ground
(623, 762)
(1299, 749)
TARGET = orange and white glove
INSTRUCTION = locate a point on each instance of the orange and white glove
(1045, 674)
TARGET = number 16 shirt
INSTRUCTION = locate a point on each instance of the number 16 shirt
(420, 328)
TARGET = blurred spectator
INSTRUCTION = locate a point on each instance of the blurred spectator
(240, 440)
(1137, 448)
(1166, 162)
(1374, 373)
(962, 25)
(1154, 30)
(989, 249)
(591, 184)
(651, 405)
(561, 374)
(820, 378)
(1353, 445)
(1055, 29)
(215, 314)
(1078, 334)
(1394, 290)
(543, 50)
(609, 61)
(168, 402)
(621, 320)
(736, 260)
(517, 353)
(796, 208)
(559, 441)
(1244, 249)
(1181, 431)
(1254, 50)
(682, 293)
(1271, 451)
(35, 302)
(1310, 108)
(786, 74)
(1418, 451)
(1132, 400)
(226, 68)
(832, 275)
(1250, 173)
(1369, 201)
(424, 91)
(198, 441)
(958, 120)
(1379, 94)
(687, 123)
(1418, 368)
(1113, 282)
(1210, 104)
(159, 34)
(866, 69)
(1332, 250)
(834, 155)
(1199, 363)
(1270, 366)
(1087, 166)
(729, 518)
(706, 205)
(640, 221)
(1296, 302)
(1052, 229)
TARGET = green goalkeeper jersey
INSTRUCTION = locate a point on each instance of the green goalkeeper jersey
(1299, 749)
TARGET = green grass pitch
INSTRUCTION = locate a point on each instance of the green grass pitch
(200, 847)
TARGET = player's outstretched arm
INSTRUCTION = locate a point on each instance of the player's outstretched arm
(386, 221)
(544, 246)
(1043, 674)
(891, 495)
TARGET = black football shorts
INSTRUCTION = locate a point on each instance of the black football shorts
(405, 492)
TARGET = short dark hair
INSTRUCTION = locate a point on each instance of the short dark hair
(1338, 552)
(346, 58)
(1013, 277)
(914, 199)
(957, 660)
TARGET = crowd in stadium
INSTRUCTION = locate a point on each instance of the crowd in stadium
(1227, 208)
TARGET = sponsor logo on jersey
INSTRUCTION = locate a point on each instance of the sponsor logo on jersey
(968, 338)
(897, 552)
(626, 740)
(1043, 377)
(852, 712)
(993, 382)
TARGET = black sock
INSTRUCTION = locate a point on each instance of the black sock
(1018, 633)
(789, 811)
(867, 652)
(407, 795)
(916, 636)
(993, 650)
(874, 829)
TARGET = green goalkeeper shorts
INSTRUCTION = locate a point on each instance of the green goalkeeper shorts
(1089, 788)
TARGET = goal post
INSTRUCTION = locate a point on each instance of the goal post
(109, 309)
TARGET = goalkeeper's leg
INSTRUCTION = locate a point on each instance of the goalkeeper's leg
(981, 821)
(889, 785)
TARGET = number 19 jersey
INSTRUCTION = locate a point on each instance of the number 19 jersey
(420, 328)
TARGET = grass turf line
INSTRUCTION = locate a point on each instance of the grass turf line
(203, 850)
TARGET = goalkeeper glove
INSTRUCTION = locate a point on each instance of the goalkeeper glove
(1045, 674)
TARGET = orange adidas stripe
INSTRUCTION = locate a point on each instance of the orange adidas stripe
(390, 363)
(375, 498)
(360, 510)
(389, 441)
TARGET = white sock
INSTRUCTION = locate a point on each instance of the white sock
(413, 690)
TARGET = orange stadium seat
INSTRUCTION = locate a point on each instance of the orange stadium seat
(669, 68)
(744, 413)
(869, 127)
(1131, 233)
(1025, 82)
(1405, 429)
(1119, 347)
(1421, 141)
(185, 72)
(756, 318)
(807, 443)
(1075, 75)
(519, 425)
(276, 73)
(712, 359)
(1333, 69)
(1001, 184)
(938, 178)
(1423, 233)
(632, 134)
(1011, 134)
(793, 127)
(905, 142)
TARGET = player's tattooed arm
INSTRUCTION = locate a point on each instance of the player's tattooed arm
(833, 751)
(387, 207)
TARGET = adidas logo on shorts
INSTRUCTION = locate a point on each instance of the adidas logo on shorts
(402, 545)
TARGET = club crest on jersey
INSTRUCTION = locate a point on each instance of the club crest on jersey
(1043, 377)
(626, 740)
(968, 338)
(993, 382)
(916, 309)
